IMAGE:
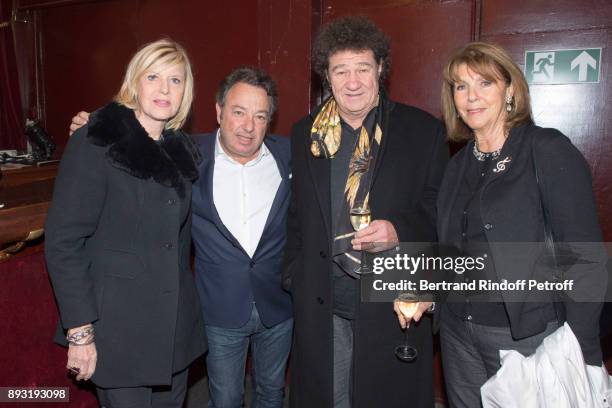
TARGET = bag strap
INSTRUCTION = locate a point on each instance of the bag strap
(549, 241)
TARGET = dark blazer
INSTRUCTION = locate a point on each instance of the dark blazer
(412, 159)
(117, 248)
(228, 279)
(511, 212)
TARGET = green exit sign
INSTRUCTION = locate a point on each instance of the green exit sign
(576, 66)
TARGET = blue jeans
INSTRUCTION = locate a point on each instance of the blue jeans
(226, 359)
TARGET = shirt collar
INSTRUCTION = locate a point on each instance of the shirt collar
(347, 127)
(219, 152)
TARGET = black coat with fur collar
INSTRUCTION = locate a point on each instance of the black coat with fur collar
(117, 248)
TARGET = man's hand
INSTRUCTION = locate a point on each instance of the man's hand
(404, 321)
(380, 235)
(78, 121)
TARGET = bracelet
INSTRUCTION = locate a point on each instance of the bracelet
(88, 341)
(432, 307)
(81, 337)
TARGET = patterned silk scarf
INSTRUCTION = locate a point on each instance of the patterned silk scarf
(325, 141)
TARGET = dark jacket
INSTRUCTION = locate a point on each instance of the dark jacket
(228, 279)
(409, 169)
(512, 213)
(117, 248)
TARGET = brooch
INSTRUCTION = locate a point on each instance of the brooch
(501, 165)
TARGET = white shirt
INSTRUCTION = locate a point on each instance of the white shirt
(243, 194)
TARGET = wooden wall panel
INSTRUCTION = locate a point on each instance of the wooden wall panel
(528, 16)
(285, 41)
(37, 4)
(422, 33)
(83, 60)
(87, 47)
(219, 37)
(582, 111)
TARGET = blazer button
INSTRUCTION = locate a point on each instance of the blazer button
(252, 264)
(171, 201)
(320, 300)
(168, 245)
(322, 254)
(488, 226)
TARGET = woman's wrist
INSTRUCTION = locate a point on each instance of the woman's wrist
(78, 328)
(80, 336)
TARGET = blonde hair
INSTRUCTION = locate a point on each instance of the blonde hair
(494, 64)
(164, 52)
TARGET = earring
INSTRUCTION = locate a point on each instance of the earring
(509, 103)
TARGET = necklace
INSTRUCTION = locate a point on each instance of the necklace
(482, 156)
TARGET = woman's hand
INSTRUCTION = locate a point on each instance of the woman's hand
(82, 358)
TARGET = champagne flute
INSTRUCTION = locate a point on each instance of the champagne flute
(408, 304)
(360, 218)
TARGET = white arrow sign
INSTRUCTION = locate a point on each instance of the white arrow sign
(583, 61)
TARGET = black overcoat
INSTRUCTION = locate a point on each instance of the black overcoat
(117, 248)
(408, 172)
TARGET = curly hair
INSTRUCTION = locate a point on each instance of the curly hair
(354, 33)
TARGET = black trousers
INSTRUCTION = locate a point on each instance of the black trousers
(171, 396)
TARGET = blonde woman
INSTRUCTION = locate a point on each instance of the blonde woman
(118, 238)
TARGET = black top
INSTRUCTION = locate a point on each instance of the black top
(470, 239)
(345, 286)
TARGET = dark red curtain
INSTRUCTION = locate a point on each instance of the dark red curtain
(11, 118)
(28, 317)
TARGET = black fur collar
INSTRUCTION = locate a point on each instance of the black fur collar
(169, 163)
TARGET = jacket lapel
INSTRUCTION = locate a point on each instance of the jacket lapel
(387, 108)
(282, 194)
(284, 185)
